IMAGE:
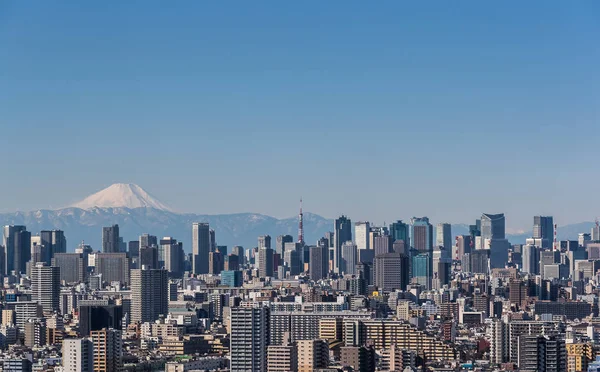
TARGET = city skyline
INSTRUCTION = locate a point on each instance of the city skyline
(121, 195)
(464, 99)
(299, 186)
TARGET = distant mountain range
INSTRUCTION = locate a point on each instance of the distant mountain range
(231, 229)
(137, 212)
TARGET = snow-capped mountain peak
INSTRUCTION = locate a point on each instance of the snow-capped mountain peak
(121, 195)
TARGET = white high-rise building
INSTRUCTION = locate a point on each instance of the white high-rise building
(443, 235)
(45, 286)
(173, 255)
(361, 235)
(35, 240)
(531, 259)
(78, 355)
(25, 310)
(498, 344)
(595, 233)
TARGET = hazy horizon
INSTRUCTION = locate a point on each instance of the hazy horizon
(119, 203)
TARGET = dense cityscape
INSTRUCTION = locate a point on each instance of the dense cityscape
(404, 297)
(333, 186)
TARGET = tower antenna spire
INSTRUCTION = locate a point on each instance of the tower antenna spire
(300, 225)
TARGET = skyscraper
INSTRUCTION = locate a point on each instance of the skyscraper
(382, 244)
(543, 228)
(147, 240)
(122, 245)
(583, 239)
(97, 317)
(422, 269)
(493, 237)
(114, 267)
(280, 243)
(531, 259)
(249, 338)
(85, 250)
(480, 261)
(45, 286)
(148, 257)
(25, 310)
(73, 268)
(595, 234)
(444, 235)
(330, 237)
(78, 355)
(266, 259)
(108, 350)
(359, 358)
(400, 231)
(54, 241)
(401, 247)
(231, 262)
(421, 234)
(475, 230)
(133, 248)
(312, 355)
(441, 264)
(200, 247)
(361, 235)
(212, 237)
(149, 294)
(493, 226)
(17, 248)
(232, 278)
(38, 253)
(301, 225)
(318, 265)
(110, 239)
(264, 241)
(349, 259)
(342, 233)
(442, 269)
(239, 252)
(377, 231)
(549, 257)
(173, 256)
(541, 353)
(391, 271)
(293, 258)
(282, 358)
(464, 244)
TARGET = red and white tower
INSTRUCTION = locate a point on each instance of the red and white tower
(300, 225)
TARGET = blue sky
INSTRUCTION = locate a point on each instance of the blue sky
(445, 109)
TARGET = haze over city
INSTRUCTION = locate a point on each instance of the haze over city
(378, 112)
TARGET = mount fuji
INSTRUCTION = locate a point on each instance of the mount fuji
(121, 195)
